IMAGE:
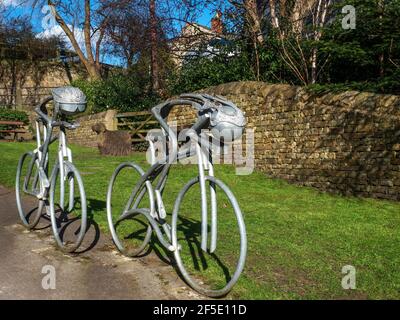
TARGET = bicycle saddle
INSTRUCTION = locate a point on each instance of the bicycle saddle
(69, 100)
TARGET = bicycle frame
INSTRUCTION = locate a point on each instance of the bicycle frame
(160, 170)
(156, 217)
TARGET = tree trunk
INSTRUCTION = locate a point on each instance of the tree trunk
(319, 23)
(129, 60)
(93, 71)
(13, 82)
(274, 18)
(155, 81)
(86, 32)
(381, 6)
(314, 66)
(299, 13)
(89, 62)
(254, 18)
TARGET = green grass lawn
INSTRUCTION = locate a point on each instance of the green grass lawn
(298, 238)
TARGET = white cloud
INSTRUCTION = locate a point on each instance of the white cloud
(57, 31)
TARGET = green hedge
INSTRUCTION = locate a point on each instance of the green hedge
(203, 72)
(121, 92)
(13, 115)
(386, 85)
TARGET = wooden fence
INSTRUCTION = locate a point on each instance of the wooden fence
(138, 123)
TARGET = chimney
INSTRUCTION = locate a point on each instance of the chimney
(216, 23)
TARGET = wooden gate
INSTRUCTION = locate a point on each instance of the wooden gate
(137, 123)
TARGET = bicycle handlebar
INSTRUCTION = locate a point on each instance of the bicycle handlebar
(42, 113)
(205, 108)
(212, 111)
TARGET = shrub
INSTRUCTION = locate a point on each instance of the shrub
(12, 115)
(388, 85)
(121, 92)
(201, 72)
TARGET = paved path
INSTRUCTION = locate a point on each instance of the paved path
(99, 273)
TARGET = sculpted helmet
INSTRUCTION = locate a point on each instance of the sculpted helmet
(228, 121)
(69, 100)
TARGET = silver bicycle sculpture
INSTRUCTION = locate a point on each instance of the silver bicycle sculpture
(145, 197)
(37, 193)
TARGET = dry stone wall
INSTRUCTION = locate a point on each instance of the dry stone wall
(35, 83)
(84, 135)
(345, 143)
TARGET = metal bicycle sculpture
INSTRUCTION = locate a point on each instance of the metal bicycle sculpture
(34, 186)
(214, 113)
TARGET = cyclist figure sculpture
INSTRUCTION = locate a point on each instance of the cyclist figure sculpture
(144, 199)
(37, 193)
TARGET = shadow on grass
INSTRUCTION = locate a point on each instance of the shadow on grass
(187, 228)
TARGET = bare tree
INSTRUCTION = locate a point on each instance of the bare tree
(93, 16)
(164, 21)
(126, 33)
(23, 56)
(289, 20)
(319, 20)
(255, 14)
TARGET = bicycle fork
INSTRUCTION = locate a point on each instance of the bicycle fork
(205, 164)
(41, 177)
(65, 153)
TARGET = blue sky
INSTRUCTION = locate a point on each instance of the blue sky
(205, 19)
(23, 8)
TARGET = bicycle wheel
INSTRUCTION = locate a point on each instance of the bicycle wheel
(68, 214)
(27, 187)
(130, 229)
(211, 274)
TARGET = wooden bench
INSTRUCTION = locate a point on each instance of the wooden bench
(13, 127)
